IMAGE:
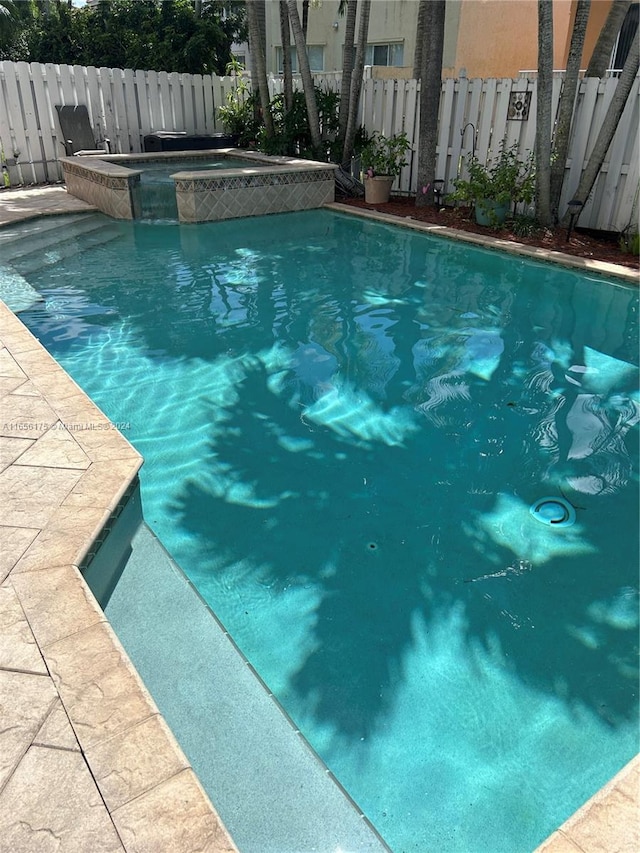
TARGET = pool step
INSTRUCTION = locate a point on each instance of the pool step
(33, 264)
(31, 253)
(15, 291)
(33, 234)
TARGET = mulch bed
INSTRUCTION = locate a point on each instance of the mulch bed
(601, 247)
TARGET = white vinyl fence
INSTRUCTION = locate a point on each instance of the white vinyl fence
(475, 116)
(123, 107)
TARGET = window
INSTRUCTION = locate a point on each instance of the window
(384, 54)
(314, 51)
(241, 59)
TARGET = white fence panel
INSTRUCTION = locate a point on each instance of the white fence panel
(143, 98)
(124, 106)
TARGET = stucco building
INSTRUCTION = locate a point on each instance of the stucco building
(483, 38)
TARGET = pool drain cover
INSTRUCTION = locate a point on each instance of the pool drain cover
(556, 512)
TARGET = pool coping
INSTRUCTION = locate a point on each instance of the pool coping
(54, 610)
(497, 243)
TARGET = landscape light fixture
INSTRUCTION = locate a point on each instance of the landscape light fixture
(438, 186)
(575, 209)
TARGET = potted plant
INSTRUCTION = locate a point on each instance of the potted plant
(494, 188)
(382, 161)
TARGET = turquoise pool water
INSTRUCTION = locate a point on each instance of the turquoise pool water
(344, 427)
(161, 170)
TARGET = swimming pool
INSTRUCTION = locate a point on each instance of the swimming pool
(342, 449)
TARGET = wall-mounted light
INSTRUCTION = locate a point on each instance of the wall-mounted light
(335, 25)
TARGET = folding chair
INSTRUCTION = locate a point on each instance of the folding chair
(78, 138)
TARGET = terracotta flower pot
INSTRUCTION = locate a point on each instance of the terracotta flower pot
(377, 189)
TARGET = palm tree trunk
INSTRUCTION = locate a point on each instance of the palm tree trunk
(601, 55)
(567, 101)
(609, 125)
(347, 68)
(305, 18)
(257, 52)
(307, 79)
(285, 39)
(356, 84)
(543, 112)
(420, 38)
(430, 88)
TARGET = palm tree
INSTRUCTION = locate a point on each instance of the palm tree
(257, 52)
(347, 64)
(285, 39)
(433, 12)
(601, 55)
(567, 101)
(307, 79)
(543, 112)
(420, 38)
(305, 18)
(609, 125)
(356, 83)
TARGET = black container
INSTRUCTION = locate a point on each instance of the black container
(164, 140)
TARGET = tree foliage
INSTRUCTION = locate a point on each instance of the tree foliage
(139, 34)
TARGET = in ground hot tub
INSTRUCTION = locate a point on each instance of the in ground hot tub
(239, 183)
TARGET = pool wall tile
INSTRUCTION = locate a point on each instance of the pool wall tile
(272, 193)
(88, 178)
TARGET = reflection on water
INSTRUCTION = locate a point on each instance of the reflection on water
(344, 428)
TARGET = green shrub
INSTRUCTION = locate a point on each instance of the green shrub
(508, 179)
(630, 242)
(385, 155)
